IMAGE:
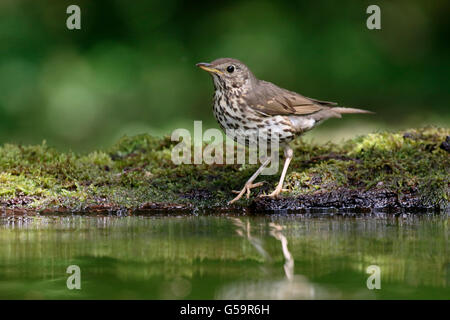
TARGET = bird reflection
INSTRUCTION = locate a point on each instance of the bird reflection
(291, 286)
(244, 230)
(289, 260)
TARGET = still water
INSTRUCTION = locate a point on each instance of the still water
(225, 257)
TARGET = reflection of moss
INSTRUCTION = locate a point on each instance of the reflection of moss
(138, 170)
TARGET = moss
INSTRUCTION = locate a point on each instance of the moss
(138, 170)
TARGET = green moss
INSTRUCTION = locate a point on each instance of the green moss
(138, 170)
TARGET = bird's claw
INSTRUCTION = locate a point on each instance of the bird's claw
(275, 194)
(246, 189)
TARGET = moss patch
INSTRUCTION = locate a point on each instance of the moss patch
(400, 169)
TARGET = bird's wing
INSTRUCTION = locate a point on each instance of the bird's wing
(268, 99)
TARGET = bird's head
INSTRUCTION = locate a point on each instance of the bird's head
(227, 72)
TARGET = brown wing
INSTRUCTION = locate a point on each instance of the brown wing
(268, 99)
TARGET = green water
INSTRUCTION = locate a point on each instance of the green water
(224, 257)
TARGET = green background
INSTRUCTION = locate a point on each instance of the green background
(131, 68)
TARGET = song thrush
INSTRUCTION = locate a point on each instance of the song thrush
(251, 108)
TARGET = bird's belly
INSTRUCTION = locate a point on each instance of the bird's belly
(248, 127)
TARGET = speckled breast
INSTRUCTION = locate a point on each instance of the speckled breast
(245, 125)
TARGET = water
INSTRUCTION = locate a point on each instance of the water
(224, 257)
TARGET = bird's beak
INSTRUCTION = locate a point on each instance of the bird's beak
(208, 67)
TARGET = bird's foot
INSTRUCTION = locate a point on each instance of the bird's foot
(246, 189)
(275, 194)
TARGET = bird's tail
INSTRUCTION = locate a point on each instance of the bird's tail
(342, 110)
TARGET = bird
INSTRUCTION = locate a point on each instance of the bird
(247, 108)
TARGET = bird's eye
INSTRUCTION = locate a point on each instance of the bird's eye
(230, 69)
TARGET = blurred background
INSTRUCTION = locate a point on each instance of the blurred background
(131, 68)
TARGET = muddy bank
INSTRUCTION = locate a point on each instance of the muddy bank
(345, 200)
(389, 171)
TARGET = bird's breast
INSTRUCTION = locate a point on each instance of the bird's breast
(241, 122)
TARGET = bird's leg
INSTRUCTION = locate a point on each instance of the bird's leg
(288, 153)
(249, 184)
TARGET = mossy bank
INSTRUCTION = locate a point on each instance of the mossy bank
(384, 171)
